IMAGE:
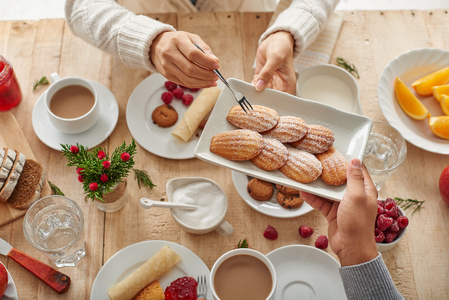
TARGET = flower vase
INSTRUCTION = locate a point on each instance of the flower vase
(114, 200)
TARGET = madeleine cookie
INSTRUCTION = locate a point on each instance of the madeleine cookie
(334, 167)
(273, 155)
(164, 116)
(289, 201)
(287, 190)
(260, 119)
(289, 129)
(317, 140)
(301, 166)
(237, 145)
(260, 190)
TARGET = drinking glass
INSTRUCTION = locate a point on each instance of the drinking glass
(54, 225)
(385, 151)
(10, 93)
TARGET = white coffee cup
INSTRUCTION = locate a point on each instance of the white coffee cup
(218, 224)
(243, 251)
(71, 125)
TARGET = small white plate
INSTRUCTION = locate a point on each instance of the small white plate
(52, 137)
(410, 66)
(351, 133)
(124, 262)
(11, 290)
(270, 207)
(306, 271)
(157, 140)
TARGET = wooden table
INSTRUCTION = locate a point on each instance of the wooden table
(419, 265)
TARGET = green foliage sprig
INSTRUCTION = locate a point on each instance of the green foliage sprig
(242, 244)
(407, 203)
(351, 68)
(99, 172)
(42, 81)
(55, 189)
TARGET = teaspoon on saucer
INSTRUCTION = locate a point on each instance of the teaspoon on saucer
(148, 203)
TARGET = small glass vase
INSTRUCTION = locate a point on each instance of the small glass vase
(114, 200)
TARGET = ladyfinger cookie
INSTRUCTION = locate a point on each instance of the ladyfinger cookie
(241, 144)
(260, 119)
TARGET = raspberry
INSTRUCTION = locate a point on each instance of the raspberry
(389, 203)
(380, 209)
(187, 99)
(381, 203)
(193, 90)
(402, 221)
(270, 233)
(321, 242)
(167, 97)
(394, 226)
(379, 235)
(170, 86)
(392, 212)
(178, 92)
(390, 236)
(383, 222)
(305, 231)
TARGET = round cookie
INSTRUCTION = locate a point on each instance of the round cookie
(289, 201)
(287, 190)
(260, 190)
(164, 116)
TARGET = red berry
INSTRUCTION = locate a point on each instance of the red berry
(184, 288)
(79, 170)
(392, 212)
(187, 99)
(390, 236)
(305, 231)
(321, 242)
(390, 203)
(74, 149)
(80, 178)
(394, 226)
(380, 209)
(381, 203)
(93, 186)
(383, 222)
(178, 92)
(104, 178)
(402, 221)
(125, 156)
(193, 90)
(101, 154)
(167, 97)
(270, 233)
(106, 164)
(379, 235)
(170, 86)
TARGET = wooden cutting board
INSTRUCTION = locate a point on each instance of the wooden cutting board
(11, 136)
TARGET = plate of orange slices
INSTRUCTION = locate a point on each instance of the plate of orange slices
(413, 94)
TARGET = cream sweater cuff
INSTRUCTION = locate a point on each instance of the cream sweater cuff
(135, 39)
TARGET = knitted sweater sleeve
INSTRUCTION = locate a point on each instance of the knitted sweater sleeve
(304, 19)
(369, 280)
(114, 29)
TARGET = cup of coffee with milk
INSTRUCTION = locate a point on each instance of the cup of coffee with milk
(71, 104)
(211, 205)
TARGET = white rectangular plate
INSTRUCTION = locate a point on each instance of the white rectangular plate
(351, 133)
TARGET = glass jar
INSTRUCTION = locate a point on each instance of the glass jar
(10, 94)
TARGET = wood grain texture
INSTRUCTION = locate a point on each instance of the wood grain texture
(370, 40)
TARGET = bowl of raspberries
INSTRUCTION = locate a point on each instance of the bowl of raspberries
(391, 224)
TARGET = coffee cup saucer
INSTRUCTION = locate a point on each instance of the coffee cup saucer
(99, 132)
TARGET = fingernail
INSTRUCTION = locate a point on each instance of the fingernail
(215, 66)
(356, 163)
(216, 58)
(260, 85)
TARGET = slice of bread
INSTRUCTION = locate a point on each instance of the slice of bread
(29, 186)
(153, 291)
(13, 177)
(8, 160)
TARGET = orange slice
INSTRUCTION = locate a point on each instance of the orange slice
(445, 104)
(440, 126)
(408, 101)
(423, 86)
(440, 90)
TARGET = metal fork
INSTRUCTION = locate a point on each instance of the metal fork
(202, 286)
(243, 102)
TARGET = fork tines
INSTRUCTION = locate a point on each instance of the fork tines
(244, 103)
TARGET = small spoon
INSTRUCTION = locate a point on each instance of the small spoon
(148, 203)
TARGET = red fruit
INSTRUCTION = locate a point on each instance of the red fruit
(321, 242)
(125, 156)
(93, 186)
(379, 235)
(390, 236)
(394, 226)
(80, 178)
(392, 212)
(383, 222)
(389, 203)
(3, 280)
(305, 231)
(167, 97)
(444, 185)
(380, 209)
(402, 221)
(79, 170)
(170, 86)
(74, 149)
(270, 233)
(184, 288)
(106, 164)
(104, 178)
(178, 92)
(187, 99)
(101, 154)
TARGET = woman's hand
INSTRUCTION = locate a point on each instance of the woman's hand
(274, 63)
(351, 221)
(178, 60)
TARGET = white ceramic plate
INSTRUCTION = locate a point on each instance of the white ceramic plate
(52, 137)
(159, 141)
(11, 290)
(306, 271)
(270, 207)
(124, 262)
(410, 66)
(351, 133)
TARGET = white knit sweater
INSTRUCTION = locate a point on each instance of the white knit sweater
(116, 30)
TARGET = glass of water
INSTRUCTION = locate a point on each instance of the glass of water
(55, 226)
(385, 151)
